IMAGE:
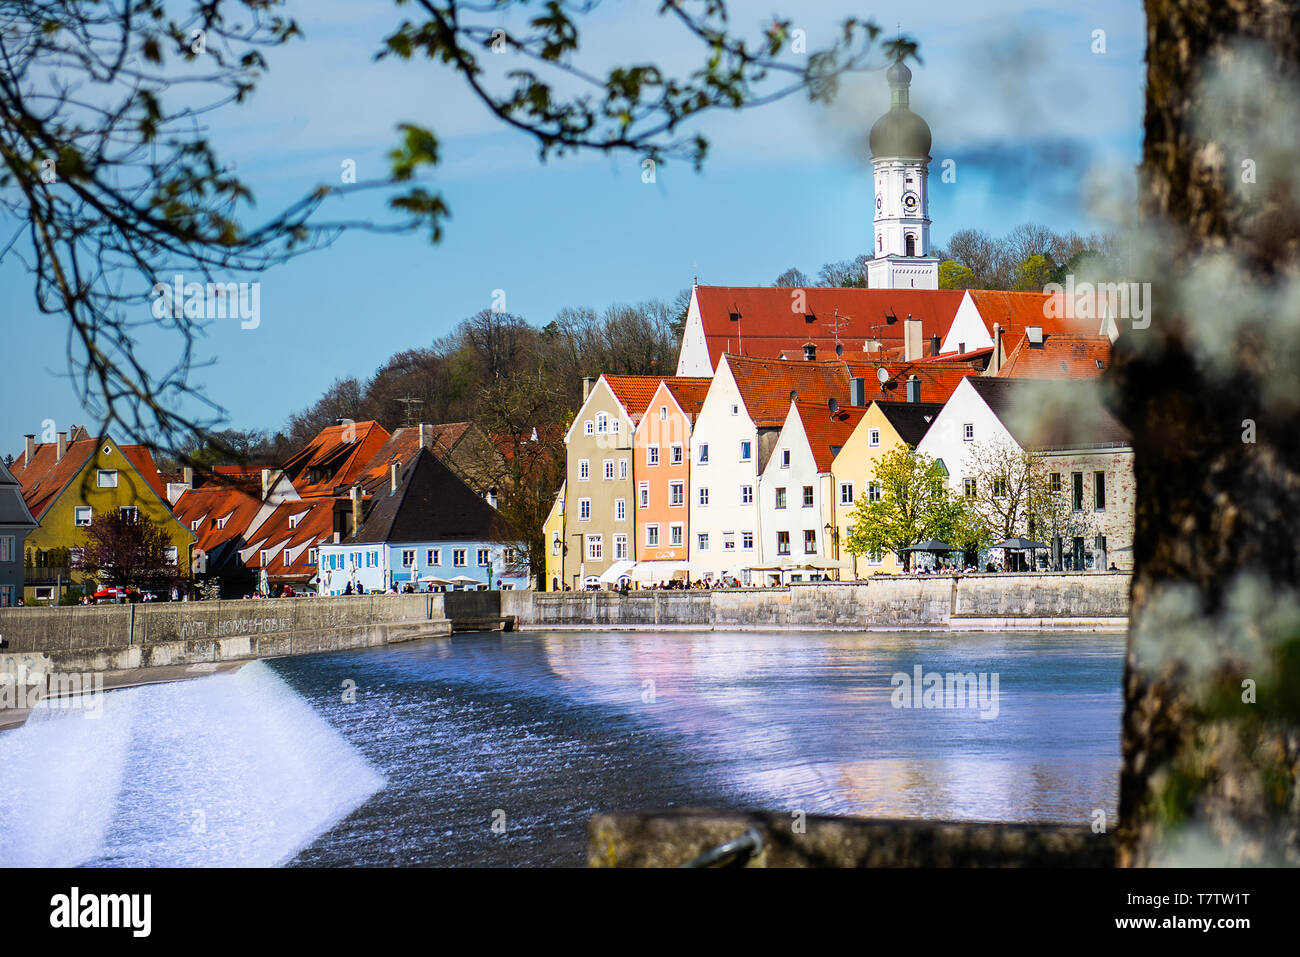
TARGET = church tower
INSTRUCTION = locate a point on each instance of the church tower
(900, 154)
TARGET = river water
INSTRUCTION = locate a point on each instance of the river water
(492, 749)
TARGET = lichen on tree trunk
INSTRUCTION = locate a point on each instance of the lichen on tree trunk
(1211, 731)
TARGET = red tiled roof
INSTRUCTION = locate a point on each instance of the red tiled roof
(689, 391)
(938, 378)
(399, 449)
(767, 326)
(207, 506)
(1059, 357)
(970, 356)
(1016, 311)
(765, 385)
(315, 525)
(331, 452)
(43, 479)
(634, 392)
(827, 433)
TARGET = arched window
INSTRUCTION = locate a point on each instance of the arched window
(910, 246)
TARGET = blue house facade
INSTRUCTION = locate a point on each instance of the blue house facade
(431, 533)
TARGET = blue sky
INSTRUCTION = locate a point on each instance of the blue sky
(1042, 129)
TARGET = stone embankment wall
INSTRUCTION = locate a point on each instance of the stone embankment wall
(108, 637)
(1083, 601)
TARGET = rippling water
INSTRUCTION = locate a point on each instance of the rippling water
(537, 731)
(495, 749)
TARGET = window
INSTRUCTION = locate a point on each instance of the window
(194, 525)
(677, 493)
(747, 541)
(609, 470)
(676, 534)
(7, 548)
(588, 428)
(484, 557)
(595, 547)
(584, 470)
(221, 522)
(622, 470)
(294, 520)
(651, 536)
(735, 410)
(675, 455)
(408, 557)
(876, 557)
(1056, 481)
(643, 495)
(746, 450)
(584, 510)
(602, 423)
(785, 458)
(783, 543)
(807, 496)
(265, 557)
(702, 541)
(652, 455)
(313, 556)
(1099, 491)
(613, 426)
(663, 413)
(728, 541)
(968, 431)
(704, 453)
(106, 478)
(433, 556)
(873, 491)
(620, 509)
(620, 546)
(999, 486)
(129, 512)
(747, 495)
(288, 558)
(83, 515)
(1077, 479)
(873, 438)
(968, 487)
(810, 541)
(846, 493)
(704, 495)
(460, 557)
(780, 498)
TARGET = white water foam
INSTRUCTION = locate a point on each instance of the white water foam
(227, 770)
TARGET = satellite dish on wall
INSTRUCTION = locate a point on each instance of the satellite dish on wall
(839, 349)
(833, 405)
(882, 375)
(794, 396)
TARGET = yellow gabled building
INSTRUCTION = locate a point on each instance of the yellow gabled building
(885, 426)
(66, 483)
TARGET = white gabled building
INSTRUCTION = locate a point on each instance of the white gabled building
(1089, 456)
(800, 540)
(734, 434)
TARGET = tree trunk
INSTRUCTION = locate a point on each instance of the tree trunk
(1211, 729)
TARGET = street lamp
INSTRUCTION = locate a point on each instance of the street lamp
(833, 537)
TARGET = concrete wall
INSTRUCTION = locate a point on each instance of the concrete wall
(139, 636)
(1032, 602)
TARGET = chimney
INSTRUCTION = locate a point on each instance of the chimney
(913, 389)
(30, 449)
(394, 475)
(809, 352)
(268, 479)
(587, 383)
(857, 391)
(871, 345)
(355, 493)
(996, 365)
(60, 446)
(935, 344)
(911, 339)
(422, 435)
(187, 476)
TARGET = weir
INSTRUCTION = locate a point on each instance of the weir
(228, 770)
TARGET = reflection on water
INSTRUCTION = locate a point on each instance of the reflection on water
(537, 731)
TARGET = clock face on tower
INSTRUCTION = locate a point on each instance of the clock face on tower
(911, 202)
